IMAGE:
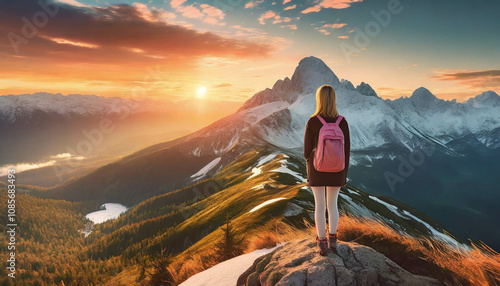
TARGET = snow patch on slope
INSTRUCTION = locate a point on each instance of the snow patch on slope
(196, 152)
(255, 171)
(227, 272)
(266, 203)
(203, 171)
(292, 210)
(284, 169)
(407, 215)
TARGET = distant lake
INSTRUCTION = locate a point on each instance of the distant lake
(112, 211)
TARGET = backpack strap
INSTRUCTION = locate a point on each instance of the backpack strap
(338, 120)
(321, 119)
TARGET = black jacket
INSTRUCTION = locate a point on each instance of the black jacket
(314, 177)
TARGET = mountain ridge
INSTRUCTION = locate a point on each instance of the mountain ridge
(384, 135)
(298, 263)
(16, 107)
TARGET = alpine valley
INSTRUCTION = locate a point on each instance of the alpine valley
(419, 164)
(438, 156)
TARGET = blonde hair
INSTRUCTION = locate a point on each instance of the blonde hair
(326, 102)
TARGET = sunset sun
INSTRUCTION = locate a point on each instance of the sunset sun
(201, 91)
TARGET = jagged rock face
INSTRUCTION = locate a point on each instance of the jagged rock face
(347, 84)
(366, 89)
(405, 122)
(299, 263)
(423, 98)
(310, 74)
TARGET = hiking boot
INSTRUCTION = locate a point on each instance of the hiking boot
(332, 241)
(323, 245)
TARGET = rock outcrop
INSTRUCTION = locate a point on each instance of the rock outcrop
(310, 74)
(299, 263)
(366, 89)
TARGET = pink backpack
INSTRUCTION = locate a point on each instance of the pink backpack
(329, 155)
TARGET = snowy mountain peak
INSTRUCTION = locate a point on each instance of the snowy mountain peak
(311, 73)
(282, 84)
(347, 84)
(423, 93)
(487, 98)
(422, 97)
(366, 89)
(311, 63)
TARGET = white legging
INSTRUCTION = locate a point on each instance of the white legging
(332, 194)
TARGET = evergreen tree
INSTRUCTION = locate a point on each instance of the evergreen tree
(161, 275)
(143, 263)
(230, 245)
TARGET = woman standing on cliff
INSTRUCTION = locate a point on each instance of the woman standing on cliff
(325, 183)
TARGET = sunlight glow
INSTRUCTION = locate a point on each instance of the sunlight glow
(201, 91)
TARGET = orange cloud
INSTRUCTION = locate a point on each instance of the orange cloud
(338, 4)
(115, 29)
(272, 15)
(327, 28)
(315, 8)
(190, 11)
(176, 3)
(252, 4)
(335, 4)
(292, 27)
(483, 79)
(334, 26)
(94, 49)
(278, 19)
(266, 15)
(78, 44)
(72, 2)
(224, 84)
(207, 13)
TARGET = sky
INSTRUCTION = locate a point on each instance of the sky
(227, 50)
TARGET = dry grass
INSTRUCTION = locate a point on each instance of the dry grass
(276, 233)
(478, 266)
(263, 240)
(420, 255)
(194, 264)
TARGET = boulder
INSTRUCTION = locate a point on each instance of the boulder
(298, 263)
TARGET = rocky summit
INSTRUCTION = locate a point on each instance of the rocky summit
(298, 263)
